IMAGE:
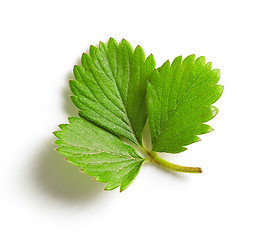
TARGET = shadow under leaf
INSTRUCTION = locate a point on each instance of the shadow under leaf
(60, 179)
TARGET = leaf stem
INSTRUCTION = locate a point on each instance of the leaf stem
(154, 157)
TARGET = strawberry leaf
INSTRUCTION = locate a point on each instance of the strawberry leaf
(116, 90)
(179, 99)
(98, 153)
(110, 88)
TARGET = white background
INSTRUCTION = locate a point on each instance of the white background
(44, 197)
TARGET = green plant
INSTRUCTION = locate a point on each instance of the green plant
(116, 90)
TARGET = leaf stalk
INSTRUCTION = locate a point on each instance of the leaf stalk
(155, 158)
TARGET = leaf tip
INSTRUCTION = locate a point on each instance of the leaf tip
(214, 111)
(58, 150)
(56, 133)
(62, 126)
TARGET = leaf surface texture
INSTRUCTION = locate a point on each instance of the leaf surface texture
(179, 98)
(98, 153)
(110, 88)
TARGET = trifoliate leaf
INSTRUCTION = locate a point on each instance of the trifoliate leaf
(98, 153)
(110, 88)
(116, 89)
(179, 99)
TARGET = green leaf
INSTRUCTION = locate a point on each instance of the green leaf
(179, 99)
(110, 88)
(116, 89)
(98, 153)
